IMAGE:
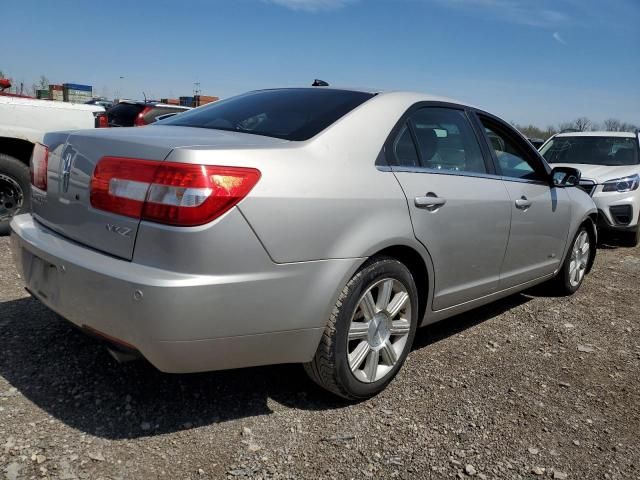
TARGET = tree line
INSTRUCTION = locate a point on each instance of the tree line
(580, 124)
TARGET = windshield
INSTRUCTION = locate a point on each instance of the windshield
(610, 151)
(290, 114)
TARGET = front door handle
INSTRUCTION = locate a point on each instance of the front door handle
(429, 202)
(523, 203)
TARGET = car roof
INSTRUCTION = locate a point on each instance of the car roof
(597, 134)
(414, 96)
(344, 89)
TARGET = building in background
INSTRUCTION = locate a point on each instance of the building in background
(77, 93)
(56, 93)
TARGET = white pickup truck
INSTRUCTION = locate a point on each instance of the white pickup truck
(23, 122)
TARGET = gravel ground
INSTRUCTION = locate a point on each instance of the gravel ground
(530, 387)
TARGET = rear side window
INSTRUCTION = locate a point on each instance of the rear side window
(290, 114)
(123, 114)
(404, 150)
(444, 139)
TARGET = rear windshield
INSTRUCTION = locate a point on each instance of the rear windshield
(610, 151)
(290, 114)
(123, 114)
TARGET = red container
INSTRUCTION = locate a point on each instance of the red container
(203, 100)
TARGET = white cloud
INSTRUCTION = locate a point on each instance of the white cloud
(559, 39)
(522, 12)
(311, 5)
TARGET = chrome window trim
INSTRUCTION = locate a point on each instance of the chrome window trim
(489, 176)
(528, 180)
(433, 171)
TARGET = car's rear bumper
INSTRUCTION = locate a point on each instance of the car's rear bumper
(182, 322)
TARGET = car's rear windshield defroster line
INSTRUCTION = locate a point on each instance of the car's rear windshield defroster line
(289, 114)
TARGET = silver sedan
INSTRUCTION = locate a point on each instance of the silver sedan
(313, 225)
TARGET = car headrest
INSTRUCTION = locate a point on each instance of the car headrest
(428, 143)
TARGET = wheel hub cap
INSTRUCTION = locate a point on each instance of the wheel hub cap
(379, 330)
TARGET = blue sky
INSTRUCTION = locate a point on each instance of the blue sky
(529, 61)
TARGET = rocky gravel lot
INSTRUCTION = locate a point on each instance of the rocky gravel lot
(530, 387)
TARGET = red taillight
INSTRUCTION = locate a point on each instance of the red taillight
(38, 166)
(165, 192)
(139, 120)
(102, 121)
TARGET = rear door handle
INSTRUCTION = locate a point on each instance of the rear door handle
(523, 203)
(429, 202)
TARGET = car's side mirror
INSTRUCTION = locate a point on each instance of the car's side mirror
(565, 176)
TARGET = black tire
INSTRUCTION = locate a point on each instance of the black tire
(13, 175)
(562, 284)
(330, 366)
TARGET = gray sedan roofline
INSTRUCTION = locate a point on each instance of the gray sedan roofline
(344, 89)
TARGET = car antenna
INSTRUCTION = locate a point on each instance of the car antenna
(145, 97)
(319, 83)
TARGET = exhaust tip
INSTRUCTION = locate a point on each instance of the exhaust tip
(120, 350)
(121, 356)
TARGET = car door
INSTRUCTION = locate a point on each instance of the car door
(459, 209)
(540, 211)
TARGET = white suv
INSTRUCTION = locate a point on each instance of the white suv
(610, 166)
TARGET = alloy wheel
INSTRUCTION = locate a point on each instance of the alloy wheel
(579, 258)
(379, 330)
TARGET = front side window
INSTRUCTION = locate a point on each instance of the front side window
(292, 113)
(444, 140)
(609, 151)
(513, 159)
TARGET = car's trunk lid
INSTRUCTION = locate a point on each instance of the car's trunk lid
(66, 206)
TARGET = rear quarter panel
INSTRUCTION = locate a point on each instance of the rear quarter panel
(324, 198)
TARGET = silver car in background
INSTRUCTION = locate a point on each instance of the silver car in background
(312, 225)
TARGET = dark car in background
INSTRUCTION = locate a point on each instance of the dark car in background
(536, 142)
(137, 114)
(103, 102)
